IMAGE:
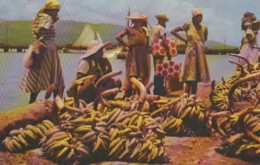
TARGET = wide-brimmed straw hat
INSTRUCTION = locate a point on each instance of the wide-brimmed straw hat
(137, 16)
(163, 17)
(93, 47)
(195, 12)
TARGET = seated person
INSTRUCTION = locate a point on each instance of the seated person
(93, 63)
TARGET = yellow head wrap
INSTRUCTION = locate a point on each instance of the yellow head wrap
(52, 4)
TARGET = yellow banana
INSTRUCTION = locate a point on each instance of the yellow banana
(48, 124)
(89, 135)
(116, 147)
(16, 144)
(186, 112)
(133, 120)
(31, 128)
(62, 151)
(114, 142)
(42, 127)
(83, 129)
(22, 140)
(140, 121)
(71, 153)
(30, 134)
(125, 131)
(97, 144)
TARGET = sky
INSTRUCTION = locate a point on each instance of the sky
(223, 17)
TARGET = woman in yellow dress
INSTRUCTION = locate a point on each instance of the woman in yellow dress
(195, 68)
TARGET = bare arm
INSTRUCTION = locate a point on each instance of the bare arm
(166, 46)
(175, 33)
(206, 34)
(120, 36)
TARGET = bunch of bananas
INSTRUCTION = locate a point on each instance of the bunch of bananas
(113, 132)
(219, 95)
(242, 133)
(129, 104)
(182, 114)
(77, 137)
(61, 146)
(246, 91)
(91, 129)
(26, 138)
(137, 137)
(172, 125)
(136, 148)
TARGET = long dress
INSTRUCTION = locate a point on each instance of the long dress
(195, 66)
(159, 88)
(138, 60)
(48, 70)
(248, 49)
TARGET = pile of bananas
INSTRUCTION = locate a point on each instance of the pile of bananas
(61, 146)
(181, 114)
(26, 138)
(242, 133)
(76, 138)
(245, 91)
(116, 133)
(135, 136)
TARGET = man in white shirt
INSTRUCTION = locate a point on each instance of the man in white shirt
(158, 32)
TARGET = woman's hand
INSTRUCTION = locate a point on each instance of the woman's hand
(56, 19)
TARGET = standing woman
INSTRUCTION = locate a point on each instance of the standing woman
(46, 68)
(249, 47)
(195, 68)
(138, 60)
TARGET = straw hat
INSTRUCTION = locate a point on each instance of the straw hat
(52, 4)
(137, 16)
(195, 12)
(163, 17)
(93, 47)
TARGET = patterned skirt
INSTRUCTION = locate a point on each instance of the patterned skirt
(138, 65)
(46, 72)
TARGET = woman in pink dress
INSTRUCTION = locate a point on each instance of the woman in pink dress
(249, 47)
(138, 60)
(46, 68)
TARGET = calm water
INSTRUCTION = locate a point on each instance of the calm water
(11, 69)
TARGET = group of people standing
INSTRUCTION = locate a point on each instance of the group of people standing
(46, 69)
(138, 59)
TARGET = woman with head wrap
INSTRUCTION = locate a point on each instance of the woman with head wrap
(138, 60)
(249, 47)
(195, 68)
(46, 68)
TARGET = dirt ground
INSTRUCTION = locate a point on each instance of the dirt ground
(179, 150)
